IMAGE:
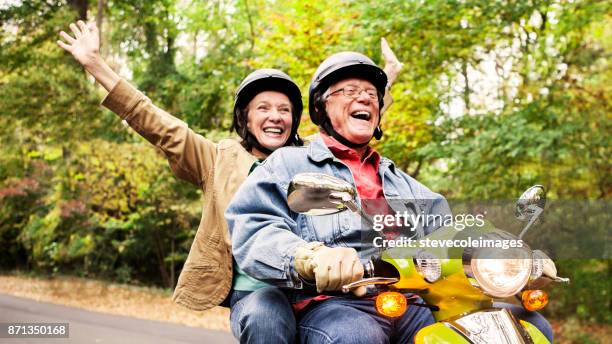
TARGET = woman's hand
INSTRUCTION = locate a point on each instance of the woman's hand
(392, 65)
(85, 45)
(392, 68)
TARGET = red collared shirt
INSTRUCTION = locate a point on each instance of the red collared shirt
(365, 171)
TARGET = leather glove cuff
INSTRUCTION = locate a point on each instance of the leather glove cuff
(303, 259)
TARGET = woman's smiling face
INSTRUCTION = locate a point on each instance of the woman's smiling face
(269, 119)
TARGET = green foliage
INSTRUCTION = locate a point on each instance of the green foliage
(553, 71)
(588, 295)
(214, 60)
(103, 209)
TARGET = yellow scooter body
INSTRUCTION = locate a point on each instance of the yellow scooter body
(454, 293)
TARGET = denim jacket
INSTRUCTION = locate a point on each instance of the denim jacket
(265, 232)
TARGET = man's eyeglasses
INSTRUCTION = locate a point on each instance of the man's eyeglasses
(354, 92)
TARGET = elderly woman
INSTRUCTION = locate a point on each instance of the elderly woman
(267, 111)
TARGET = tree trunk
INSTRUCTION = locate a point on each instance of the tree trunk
(172, 270)
(159, 252)
(100, 18)
(252, 31)
(81, 7)
(466, 89)
(417, 170)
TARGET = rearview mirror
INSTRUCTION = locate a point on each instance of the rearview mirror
(319, 194)
(530, 205)
(529, 202)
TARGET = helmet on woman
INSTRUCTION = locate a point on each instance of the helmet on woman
(261, 80)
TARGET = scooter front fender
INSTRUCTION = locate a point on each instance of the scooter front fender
(437, 334)
(535, 334)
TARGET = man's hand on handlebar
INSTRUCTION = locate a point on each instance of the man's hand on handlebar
(329, 267)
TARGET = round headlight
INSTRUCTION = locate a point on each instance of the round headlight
(502, 277)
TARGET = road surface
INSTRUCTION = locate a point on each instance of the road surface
(92, 327)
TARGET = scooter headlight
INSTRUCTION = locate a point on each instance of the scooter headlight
(502, 277)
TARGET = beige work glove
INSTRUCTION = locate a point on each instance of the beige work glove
(392, 68)
(329, 267)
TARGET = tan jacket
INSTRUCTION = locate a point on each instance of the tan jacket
(218, 169)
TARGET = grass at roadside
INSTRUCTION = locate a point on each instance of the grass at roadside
(99, 296)
(156, 304)
(572, 331)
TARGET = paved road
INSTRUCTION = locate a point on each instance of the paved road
(91, 327)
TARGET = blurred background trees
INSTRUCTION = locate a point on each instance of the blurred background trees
(494, 97)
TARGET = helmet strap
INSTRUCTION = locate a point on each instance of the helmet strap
(378, 133)
(330, 130)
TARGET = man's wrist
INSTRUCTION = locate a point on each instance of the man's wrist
(313, 245)
(303, 259)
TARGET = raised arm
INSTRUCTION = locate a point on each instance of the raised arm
(392, 68)
(190, 155)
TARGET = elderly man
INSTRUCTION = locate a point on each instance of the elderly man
(312, 255)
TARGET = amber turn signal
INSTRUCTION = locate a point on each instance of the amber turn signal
(534, 300)
(391, 304)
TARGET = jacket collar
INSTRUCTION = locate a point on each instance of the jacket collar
(318, 152)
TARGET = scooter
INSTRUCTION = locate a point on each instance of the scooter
(459, 284)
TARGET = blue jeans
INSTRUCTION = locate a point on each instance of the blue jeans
(535, 318)
(347, 320)
(262, 316)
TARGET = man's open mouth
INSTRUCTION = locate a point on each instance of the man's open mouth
(362, 115)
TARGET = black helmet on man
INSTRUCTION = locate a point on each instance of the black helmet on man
(343, 65)
(261, 80)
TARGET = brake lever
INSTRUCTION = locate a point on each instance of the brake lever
(369, 281)
(560, 279)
